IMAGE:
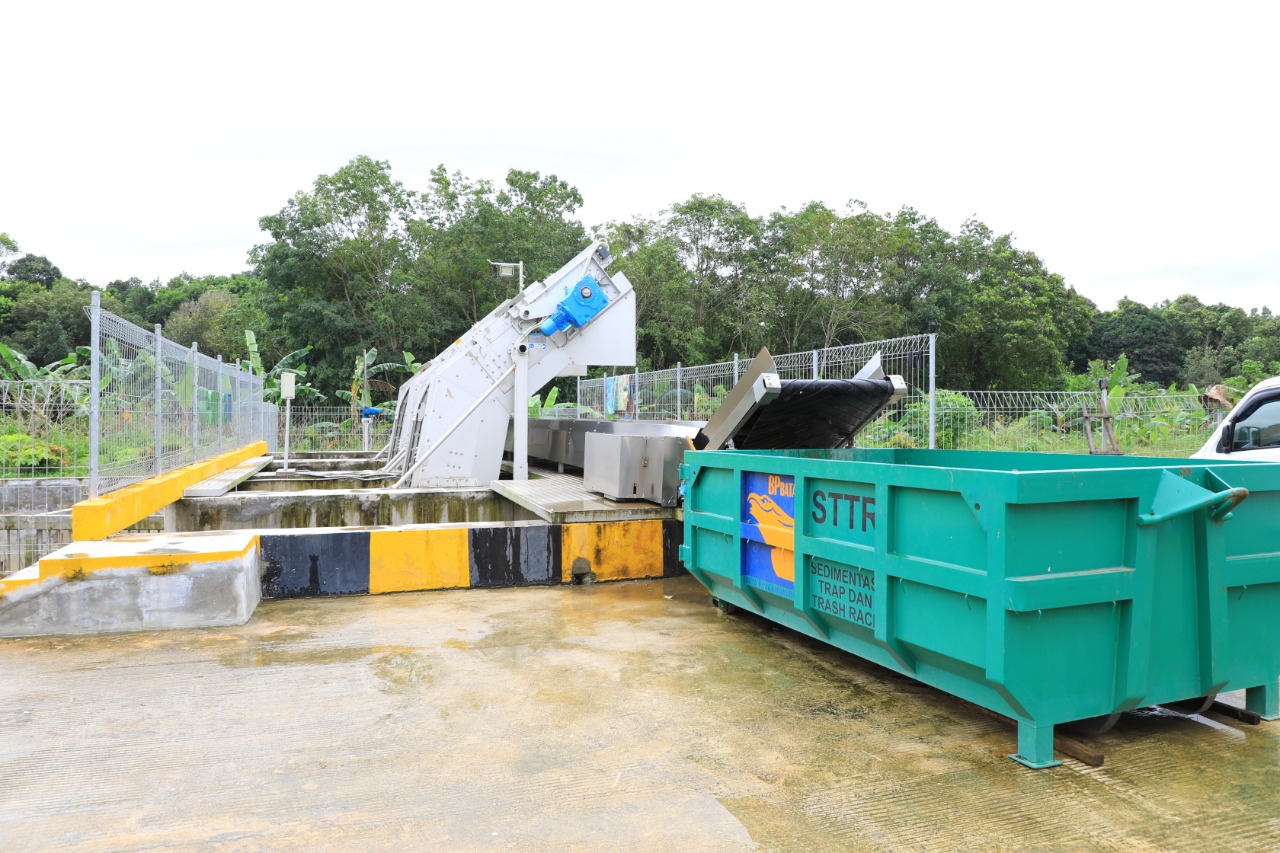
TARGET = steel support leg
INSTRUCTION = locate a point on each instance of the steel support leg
(1264, 701)
(1035, 746)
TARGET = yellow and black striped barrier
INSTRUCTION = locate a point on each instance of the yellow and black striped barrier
(307, 563)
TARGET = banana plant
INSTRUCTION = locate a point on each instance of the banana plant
(291, 363)
(364, 379)
(18, 366)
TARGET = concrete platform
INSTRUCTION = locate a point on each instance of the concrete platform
(221, 483)
(614, 717)
(135, 583)
(563, 499)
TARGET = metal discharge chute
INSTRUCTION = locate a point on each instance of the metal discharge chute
(763, 412)
(452, 417)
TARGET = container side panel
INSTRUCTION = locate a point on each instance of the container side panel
(1061, 663)
(841, 510)
(1254, 525)
(767, 530)
(712, 490)
(938, 620)
(845, 592)
(1055, 538)
(1254, 634)
(938, 526)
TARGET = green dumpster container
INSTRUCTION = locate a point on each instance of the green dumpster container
(1048, 588)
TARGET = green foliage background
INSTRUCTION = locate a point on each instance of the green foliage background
(359, 262)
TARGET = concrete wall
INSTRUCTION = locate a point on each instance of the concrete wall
(362, 508)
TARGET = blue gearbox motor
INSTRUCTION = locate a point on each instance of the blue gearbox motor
(584, 301)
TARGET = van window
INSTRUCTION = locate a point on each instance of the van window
(1260, 429)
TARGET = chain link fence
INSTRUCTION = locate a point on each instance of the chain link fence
(159, 406)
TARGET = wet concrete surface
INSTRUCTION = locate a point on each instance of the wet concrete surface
(628, 716)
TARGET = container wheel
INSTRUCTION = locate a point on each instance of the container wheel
(1091, 726)
(1191, 707)
(724, 607)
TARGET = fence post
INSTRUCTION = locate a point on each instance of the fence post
(288, 417)
(95, 392)
(195, 401)
(735, 368)
(158, 401)
(577, 409)
(679, 393)
(933, 398)
(815, 364)
(217, 384)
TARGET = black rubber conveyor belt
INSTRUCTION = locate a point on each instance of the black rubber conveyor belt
(814, 413)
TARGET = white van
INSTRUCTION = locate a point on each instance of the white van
(1251, 432)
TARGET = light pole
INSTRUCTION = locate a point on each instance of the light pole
(508, 270)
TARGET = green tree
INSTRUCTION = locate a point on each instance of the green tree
(64, 303)
(51, 343)
(335, 268)
(666, 330)
(34, 268)
(8, 246)
(1263, 342)
(215, 321)
(825, 277)
(1145, 335)
(12, 294)
(363, 263)
(1012, 323)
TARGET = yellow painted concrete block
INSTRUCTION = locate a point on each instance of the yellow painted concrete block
(111, 513)
(81, 558)
(11, 583)
(615, 550)
(404, 560)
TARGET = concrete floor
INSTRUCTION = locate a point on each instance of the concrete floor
(628, 716)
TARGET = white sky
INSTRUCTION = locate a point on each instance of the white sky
(1133, 147)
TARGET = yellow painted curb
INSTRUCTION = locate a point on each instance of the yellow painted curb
(163, 562)
(98, 519)
(10, 584)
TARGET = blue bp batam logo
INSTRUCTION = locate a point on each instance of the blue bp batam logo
(768, 532)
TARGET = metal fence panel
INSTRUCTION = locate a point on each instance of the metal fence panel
(162, 405)
(332, 428)
(44, 466)
(1054, 422)
(694, 393)
(150, 406)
